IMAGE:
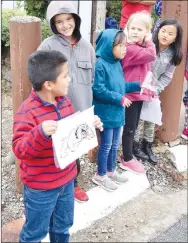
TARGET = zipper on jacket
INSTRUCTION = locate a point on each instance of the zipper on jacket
(58, 112)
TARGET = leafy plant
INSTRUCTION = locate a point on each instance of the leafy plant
(36, 8)
(46, 32)
(154, 17)
(7, 14)
(19, 4)
(115, 9)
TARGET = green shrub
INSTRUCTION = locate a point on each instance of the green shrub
(7, 14)
(46, 32)
(36, 7)
(115, 9)
(154, 17)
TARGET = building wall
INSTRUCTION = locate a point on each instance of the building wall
(85, 12)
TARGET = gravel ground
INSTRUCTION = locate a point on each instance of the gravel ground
(12, 202)
(12, 207)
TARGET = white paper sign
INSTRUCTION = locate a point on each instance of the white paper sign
(74, 137)
(151, 111)
(148, 83)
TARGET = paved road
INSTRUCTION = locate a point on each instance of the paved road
(139, 220)
(176, 233)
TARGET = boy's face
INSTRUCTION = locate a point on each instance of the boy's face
(65, 24)
(60, 86)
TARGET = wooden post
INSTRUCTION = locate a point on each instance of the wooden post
(98, 19)
(25, 37)
(93, 22)
(97, 24)
(171, 97)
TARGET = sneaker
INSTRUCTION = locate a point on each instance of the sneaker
(133, 165)
(134, 157)
(104, 182)
(80, 195)
(118, 178)
(185, 134)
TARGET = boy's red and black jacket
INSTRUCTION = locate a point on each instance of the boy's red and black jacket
(34, 149)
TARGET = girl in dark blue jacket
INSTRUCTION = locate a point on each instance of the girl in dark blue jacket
(109, 89)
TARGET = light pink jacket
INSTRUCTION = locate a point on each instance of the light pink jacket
(136, 63)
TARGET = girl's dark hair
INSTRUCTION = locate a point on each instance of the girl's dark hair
(176, 46)
(120, 37)
(77, 21)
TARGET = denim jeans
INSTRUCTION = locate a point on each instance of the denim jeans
(48, 211)
(108, 150)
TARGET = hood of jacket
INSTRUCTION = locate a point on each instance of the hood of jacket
(104, 45)
(63, 7)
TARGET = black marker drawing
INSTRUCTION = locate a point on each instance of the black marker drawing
(75, 138)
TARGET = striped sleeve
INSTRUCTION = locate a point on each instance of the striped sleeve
(28, 139)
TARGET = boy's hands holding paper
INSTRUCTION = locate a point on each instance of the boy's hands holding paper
(49, 127)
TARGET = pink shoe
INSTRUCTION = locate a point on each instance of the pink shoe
(185, 134)
(122, 159)
(133, 165)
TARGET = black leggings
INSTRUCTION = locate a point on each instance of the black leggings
(78, 172)
(132, 116)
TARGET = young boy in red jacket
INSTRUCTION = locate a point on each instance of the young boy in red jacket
(48, 190)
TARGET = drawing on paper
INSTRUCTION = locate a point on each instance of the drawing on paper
(75, 138)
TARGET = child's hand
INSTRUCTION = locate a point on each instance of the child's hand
(126, 102)
(126, 32)
(49, 127)
(97, 123)
(148, 37)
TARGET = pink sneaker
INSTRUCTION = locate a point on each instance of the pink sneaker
(185, 134)
(133, 165)
(121, 159)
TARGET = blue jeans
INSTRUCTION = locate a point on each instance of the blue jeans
(48, 211)
(108, 150)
